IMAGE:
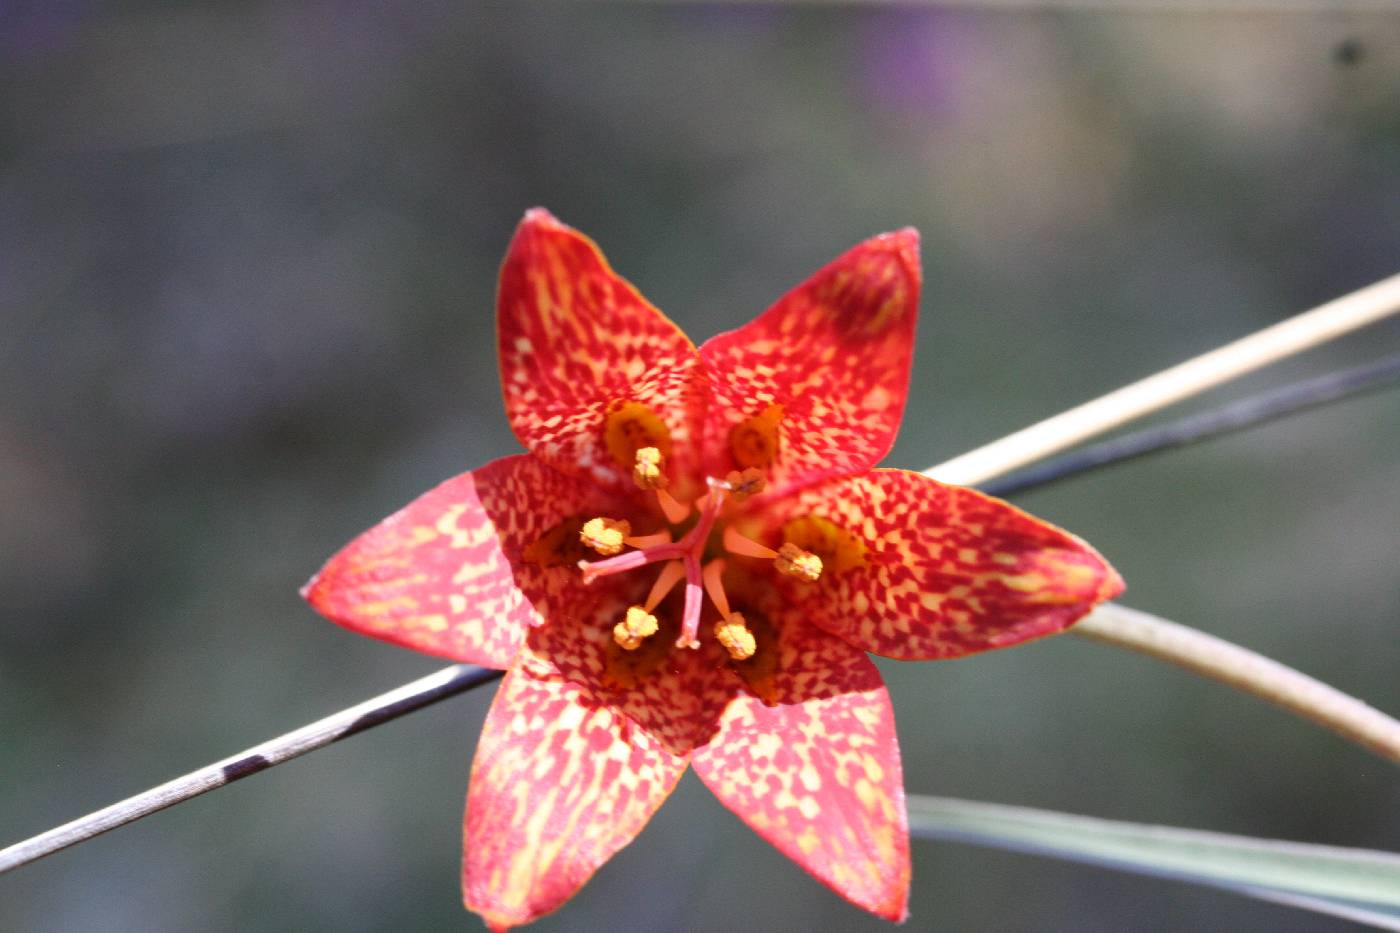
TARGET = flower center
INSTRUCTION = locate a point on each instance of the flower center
(683, 558)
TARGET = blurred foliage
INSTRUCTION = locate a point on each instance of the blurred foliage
(247, 260)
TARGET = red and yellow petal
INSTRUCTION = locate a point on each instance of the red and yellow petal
(676, 695)
(577, 344)
(815, 387)
(559, 784)
(817, 773)
(448, 574)
(940, 571)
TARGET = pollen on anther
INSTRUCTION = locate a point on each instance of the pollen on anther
(636, 627)
(795, 562)
(750, 482)
(734, 635)
(605, 535)
(649, 472)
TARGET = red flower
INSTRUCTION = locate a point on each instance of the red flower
(689, 567)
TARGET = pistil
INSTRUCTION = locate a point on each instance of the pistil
(789, 559)
(687, 551)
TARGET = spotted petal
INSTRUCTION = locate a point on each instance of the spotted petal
(923, 570)
(817, 773)
(577, 342)
(559, 784)
(815, 386)
(449, 573)
(675, 695)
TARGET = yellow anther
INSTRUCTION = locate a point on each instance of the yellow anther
(605, 535)
(795, 562)
(748, 483)
(650, 469)
(638, 626)
(735, 636)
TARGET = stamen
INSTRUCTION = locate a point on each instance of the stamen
(670, 575)
(715, 587)
(605, 535)
(734, 635)
(748, 483)
(650, 469)
(736, 543)
(661, 537)
(795, 562)
(636, 627)
(675, 510)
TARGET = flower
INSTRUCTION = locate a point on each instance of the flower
(689, 568)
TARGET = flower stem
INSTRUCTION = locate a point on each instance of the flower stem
(420, 693)
(1244, 670)
(1307, 330)
(1192, 429)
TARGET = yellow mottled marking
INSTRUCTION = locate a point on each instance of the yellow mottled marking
(560, 545)
(1025, 583)
(754, 441)
(434, 623)
(838, 549)
(631, 426)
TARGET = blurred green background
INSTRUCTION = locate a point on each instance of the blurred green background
(247, 263)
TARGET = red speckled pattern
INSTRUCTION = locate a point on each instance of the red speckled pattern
(574, 338)
(444, 575)
(948, 571)
(677, 701)
(835, 353)
(560, 783)
(818, 773)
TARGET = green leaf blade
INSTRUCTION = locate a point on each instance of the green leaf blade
(1362, 885)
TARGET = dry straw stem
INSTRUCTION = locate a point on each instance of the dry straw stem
(1196, 651)
(1196, 375)
(422, 692)
(1243, 669)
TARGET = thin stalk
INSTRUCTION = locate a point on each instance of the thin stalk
(450, 681)
(1249, 412)
(1244, 670)
(1303, 332)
